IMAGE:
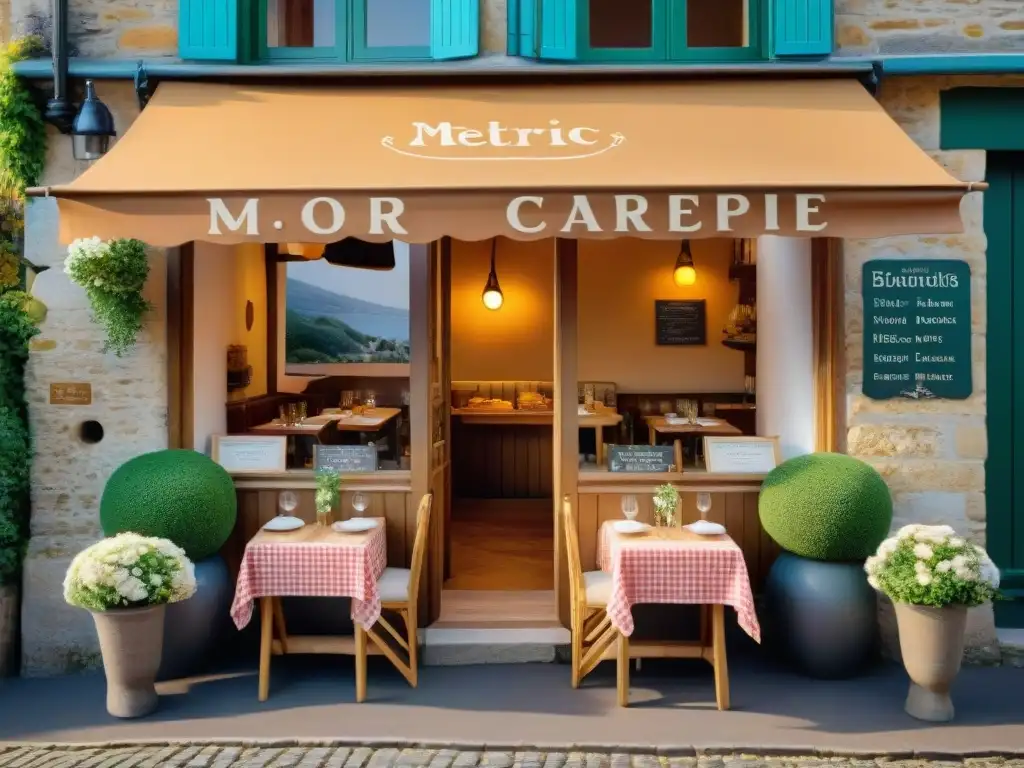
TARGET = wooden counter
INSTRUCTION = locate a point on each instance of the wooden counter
(508, 416)
(733, 504)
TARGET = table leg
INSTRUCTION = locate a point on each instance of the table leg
(721, 665)
(266, 643)
(360, 662)
(652, 436)
(279, 625)
(622, 670)
(599, 445)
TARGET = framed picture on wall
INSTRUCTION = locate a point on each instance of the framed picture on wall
(251, 453)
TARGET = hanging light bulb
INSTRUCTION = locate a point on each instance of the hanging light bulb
(684, 273)
(492, 295)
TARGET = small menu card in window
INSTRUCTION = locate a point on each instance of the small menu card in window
(741, 455)
(250, 453)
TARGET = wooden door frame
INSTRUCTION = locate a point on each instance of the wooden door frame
(180, 346)
(829, 324)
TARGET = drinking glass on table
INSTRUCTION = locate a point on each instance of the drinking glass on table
(630, 509)
(286, 503)
(359, 504)
(703, 504)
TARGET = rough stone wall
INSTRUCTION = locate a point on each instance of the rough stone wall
(931, 453)
(928, 26)
(129, 401)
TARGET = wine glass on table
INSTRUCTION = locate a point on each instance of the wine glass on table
(286, 503)
(630, 509)
(359, 504)
(703, 505)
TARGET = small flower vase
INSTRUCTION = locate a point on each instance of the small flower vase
(663, 516)
(324, 517)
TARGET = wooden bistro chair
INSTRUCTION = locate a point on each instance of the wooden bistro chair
(399, 593)
(593, 636)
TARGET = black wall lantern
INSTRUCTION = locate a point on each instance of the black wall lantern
(91, 125)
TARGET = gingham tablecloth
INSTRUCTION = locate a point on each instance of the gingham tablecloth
(681, 568)
(313, 562)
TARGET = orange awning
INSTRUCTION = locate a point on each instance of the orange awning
(234, 163)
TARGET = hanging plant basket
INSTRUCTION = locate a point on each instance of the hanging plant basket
(113, 274)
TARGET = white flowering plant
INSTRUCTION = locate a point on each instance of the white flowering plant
(129, 571)
(113, 274)
(931, 565)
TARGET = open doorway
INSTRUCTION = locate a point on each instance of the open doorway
(499, 548)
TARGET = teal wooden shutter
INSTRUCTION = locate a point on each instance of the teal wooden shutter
(802, 28)
(454, 29)
(208, 30)
(558, 29)
(527, 28)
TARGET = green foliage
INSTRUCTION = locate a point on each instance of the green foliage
(666, 500)
(319, 339)
(826, 506)
(328, 490)
(113, 274)
(931, 565)
(15, 468)
(179, 495)
(22, 131)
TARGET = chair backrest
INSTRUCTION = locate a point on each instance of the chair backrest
(572, 551)
(419, 547)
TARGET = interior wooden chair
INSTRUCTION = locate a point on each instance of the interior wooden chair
(593, 637)
(399, 593)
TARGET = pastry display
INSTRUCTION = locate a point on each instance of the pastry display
(533, 401)
(490, 404)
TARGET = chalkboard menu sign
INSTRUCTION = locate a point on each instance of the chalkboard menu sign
(917, 329)
(641, 458)
(681, 323)
(345, 458)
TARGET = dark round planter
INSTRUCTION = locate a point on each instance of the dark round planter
(821, 616)
(193, 627)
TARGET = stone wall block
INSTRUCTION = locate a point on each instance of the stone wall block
(894, 440)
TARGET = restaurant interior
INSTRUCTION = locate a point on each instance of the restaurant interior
(666, 355)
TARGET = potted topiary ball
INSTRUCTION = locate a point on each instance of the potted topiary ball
(186, 497)
(828, 512)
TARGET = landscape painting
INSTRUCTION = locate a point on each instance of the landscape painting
(338, 316)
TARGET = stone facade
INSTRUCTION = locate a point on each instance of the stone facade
(129, 401)
(892, 27)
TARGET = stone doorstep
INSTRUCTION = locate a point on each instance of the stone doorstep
(461, 646)
(1011, 647)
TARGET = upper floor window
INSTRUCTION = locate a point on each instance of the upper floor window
(675, 30)
(328, 31)
(670, 30)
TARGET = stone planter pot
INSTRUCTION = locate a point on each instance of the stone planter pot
(932, 646)
(8, 628)
(131, 641)
(821, 617)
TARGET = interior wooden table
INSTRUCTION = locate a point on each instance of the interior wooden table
(659, 425)
(597, 421)
(368, 421)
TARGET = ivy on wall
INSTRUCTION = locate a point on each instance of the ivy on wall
(22, 160)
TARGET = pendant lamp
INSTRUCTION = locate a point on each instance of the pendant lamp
(310, 251)
(359, 254)
(492, 295)
(685, 273)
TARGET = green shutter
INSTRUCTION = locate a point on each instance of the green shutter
(802, 28)
(558, 29)
(208, 30)
(454, 29)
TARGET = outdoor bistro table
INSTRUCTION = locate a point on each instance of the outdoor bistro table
(673, 565)
(313, 561)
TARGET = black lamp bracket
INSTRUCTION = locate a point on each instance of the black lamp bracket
(143, 90)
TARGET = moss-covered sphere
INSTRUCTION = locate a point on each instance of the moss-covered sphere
(826, 506)
(179, 495)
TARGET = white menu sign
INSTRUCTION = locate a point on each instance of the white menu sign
(741, 455)
(250, 453)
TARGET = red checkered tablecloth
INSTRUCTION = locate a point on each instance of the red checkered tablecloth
(675, 566)
(313, 562)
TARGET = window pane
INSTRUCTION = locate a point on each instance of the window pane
(300, 23)
(617, 24)
(716, 23)
(397, 23)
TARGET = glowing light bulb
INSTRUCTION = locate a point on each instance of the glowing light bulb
(493, 299)
(684, 276)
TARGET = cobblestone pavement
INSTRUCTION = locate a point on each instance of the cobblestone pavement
(263, 756)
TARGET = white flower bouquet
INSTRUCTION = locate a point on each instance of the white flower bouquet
(129, 571)
(931, 565)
